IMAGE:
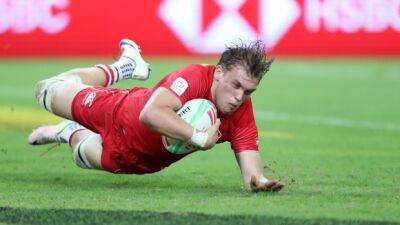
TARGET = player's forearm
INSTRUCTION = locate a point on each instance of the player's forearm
(168, 123)
(250, 165)
(159, 115)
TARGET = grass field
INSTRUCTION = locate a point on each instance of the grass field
(330, 129)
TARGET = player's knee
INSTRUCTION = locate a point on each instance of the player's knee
(46, 90)
(43, 93)
(79, 155)
(83, 152)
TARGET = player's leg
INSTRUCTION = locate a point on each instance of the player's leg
(130, 65)
(57, 93)
(86, 145)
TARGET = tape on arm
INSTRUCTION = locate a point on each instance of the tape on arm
(199, 138)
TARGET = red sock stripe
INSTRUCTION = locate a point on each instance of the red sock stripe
(112, 74)
(106, 73)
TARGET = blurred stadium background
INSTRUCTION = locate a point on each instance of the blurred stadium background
(328, 111)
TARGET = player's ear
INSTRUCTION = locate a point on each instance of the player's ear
(218, 73)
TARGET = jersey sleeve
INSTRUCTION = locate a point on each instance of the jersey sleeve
(187, 83)
(244, 134)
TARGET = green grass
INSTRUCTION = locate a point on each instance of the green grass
(330, 130)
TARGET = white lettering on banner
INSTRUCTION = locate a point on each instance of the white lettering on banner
(395, 15)
(350, 16)
(24, 16)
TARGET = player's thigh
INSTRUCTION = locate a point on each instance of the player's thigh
(63, 98)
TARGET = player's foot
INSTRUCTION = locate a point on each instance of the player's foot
(131, 51)
(59, 133)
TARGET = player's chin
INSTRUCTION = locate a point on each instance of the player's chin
(228, 111)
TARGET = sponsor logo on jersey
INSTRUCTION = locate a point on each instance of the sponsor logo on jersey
(179, 86)
(89, 98)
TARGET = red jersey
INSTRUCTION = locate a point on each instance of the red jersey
(129, 146)
(145, 148)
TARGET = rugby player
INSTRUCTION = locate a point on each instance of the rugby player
(121, 131)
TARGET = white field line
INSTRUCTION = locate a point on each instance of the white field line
(328, 121)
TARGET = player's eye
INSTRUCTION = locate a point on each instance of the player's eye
(236, 85)
(249, 92)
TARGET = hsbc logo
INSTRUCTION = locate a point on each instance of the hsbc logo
(25, 16)
(351, 16)
(206, 26)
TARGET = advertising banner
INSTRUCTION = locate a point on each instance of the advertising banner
(191, 27)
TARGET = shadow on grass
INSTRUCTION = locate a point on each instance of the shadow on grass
(100, 181)
(84, 216)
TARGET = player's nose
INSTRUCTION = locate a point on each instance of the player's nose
(238, 97)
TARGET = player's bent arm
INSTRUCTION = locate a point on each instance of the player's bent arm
(159, 114)
(253, 173)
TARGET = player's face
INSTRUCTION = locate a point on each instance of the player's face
(232, 88)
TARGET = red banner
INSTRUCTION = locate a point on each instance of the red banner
(183, 27)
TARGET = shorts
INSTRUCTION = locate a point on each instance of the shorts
(95, 108)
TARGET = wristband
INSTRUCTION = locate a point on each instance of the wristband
(199, 138)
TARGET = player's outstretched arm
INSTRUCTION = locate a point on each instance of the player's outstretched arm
(252, 170)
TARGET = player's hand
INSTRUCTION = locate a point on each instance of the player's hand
(258, 184)
(213, 135)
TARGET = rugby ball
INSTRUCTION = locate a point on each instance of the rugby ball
(200, 114)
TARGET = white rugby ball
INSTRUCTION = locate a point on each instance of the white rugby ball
(200, 114)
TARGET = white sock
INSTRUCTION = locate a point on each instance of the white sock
(124, 67)
(120, 70)
(70, 128)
